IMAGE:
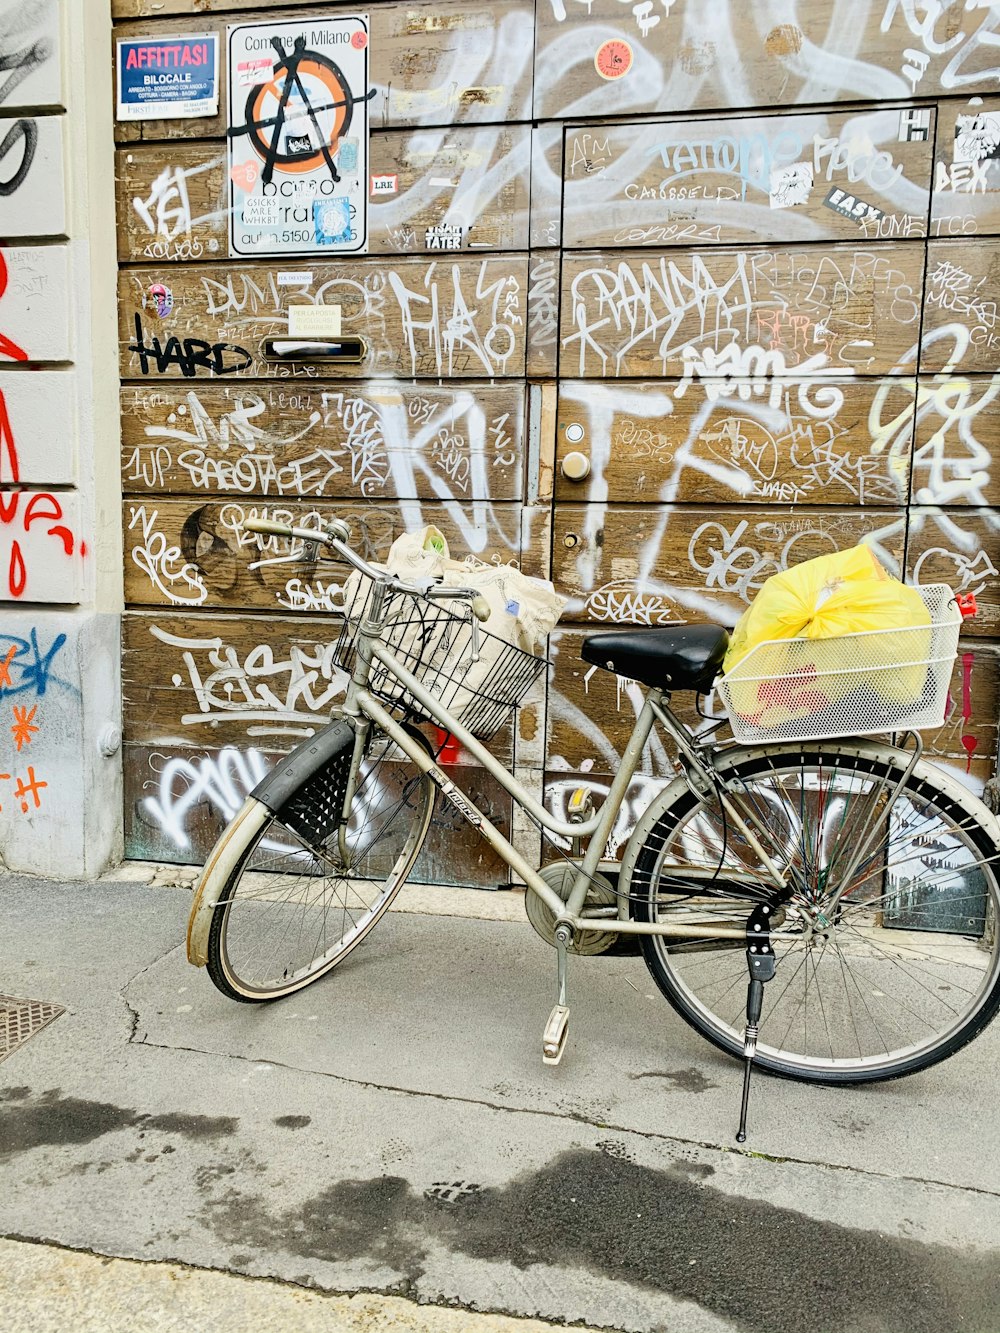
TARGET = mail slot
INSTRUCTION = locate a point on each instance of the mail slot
(344, 351)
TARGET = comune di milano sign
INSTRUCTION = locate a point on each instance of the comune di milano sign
(298, 137)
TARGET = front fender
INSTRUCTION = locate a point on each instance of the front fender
(267, 798)
(218, 868)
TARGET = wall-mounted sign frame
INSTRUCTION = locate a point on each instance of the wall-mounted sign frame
(298, 136)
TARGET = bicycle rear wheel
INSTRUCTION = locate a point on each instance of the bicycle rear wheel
(888, 954)
(293, 906)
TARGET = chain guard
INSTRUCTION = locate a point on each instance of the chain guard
(560, 876)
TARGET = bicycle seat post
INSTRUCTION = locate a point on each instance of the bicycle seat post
(760, 960)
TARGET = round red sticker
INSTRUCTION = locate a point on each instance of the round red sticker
(613, 59)
(359, 41)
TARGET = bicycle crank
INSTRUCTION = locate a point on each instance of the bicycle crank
(560, 876)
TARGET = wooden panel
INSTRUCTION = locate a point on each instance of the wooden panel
(542, 360)
(591, 714)
(819, 441)
(961, 327)
(957, 423)
(650, 565)
(733, 312)
(462, 318)
(966, 198)
(960, 547)
(134, 9)
(837, 175)
(189, 553)
(433, 62)
(177, 802)
(212, 681)
(969, 734)
(375, 440)
(726, 53)
(173, 202)
(546, 185)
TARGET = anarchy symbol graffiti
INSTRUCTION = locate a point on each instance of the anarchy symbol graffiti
(297, 117)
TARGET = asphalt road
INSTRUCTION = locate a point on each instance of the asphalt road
(392, 1131)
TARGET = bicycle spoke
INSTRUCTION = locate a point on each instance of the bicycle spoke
(888, 948)
(295, 908)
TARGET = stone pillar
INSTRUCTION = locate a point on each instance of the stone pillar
(60, 526)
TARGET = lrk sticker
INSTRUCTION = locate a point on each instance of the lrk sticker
(613, 59)
(387, 184)
(850, 206)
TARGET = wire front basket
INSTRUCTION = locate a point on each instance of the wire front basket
(478, 677)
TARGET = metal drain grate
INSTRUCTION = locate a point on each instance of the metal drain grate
(21, 1019)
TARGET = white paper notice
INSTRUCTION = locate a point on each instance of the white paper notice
(314, 321)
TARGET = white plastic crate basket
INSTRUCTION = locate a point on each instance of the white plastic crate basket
(854, 685)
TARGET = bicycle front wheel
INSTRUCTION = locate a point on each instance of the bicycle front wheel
(887, 954)
(302, 894)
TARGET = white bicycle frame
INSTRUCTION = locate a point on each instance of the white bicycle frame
(702, 776)
(363, 707)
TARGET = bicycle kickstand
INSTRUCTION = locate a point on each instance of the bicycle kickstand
(557, 1027)
(760, 960)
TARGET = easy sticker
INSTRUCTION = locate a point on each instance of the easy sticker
(387, 184)
(613, 59)
(850, 206)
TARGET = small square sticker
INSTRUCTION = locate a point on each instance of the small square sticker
(332, 220)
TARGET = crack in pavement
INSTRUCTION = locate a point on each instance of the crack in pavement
(576, 1116)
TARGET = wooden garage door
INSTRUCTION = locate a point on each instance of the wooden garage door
(765, 325)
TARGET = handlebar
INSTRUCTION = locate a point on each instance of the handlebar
(336, 537)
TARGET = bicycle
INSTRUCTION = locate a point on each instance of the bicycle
(859, 875)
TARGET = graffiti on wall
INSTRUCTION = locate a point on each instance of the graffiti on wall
(764, 328)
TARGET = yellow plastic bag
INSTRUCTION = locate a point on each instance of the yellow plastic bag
(845, 593)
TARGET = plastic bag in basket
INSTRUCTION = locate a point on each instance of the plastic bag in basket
(822, 600)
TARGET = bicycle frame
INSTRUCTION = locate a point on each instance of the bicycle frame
(362, 704)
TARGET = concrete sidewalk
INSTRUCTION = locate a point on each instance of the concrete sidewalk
(392, 1131)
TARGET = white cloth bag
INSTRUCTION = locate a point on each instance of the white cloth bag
(523, 611)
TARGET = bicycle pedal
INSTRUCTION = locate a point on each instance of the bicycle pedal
(554, 1036)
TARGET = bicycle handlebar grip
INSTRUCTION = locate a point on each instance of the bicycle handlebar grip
(480, 607)
(269, 526)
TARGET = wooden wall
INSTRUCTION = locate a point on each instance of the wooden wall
(754, 279)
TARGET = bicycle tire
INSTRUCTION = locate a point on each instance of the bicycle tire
(932, 933)
(388, 822)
